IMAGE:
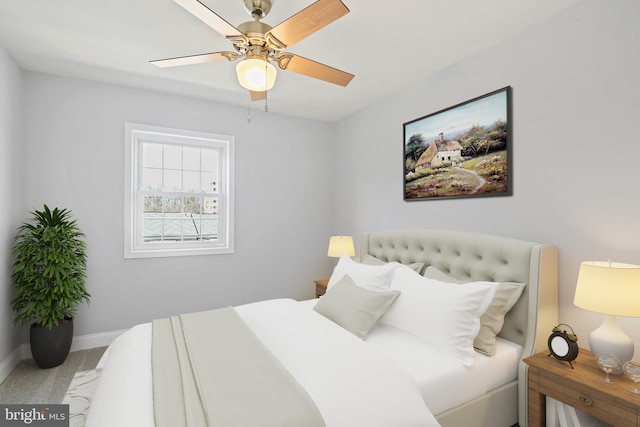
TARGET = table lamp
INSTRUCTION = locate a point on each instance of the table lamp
(341, 245)
(613, 289)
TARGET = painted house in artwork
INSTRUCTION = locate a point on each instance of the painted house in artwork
(440, 151)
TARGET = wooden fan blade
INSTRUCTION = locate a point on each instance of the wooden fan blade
(195, 59)
(306, 22)
(300, 65)
(258, 96)
(210, 18)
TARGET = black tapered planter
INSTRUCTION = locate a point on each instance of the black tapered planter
(50, 347)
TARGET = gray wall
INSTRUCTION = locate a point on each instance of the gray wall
(10, 189)
(576, 147)
(74, 139)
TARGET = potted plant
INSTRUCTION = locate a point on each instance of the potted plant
(49, 281)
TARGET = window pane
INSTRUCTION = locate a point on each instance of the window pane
(191, 181)
(152, 229)
(210, 206)
(172, 180)
(173, 205)
(192, 205)
(210, 160)
(172, 157)
(172, 228)
(191, 158)
(151, 179)
(191, 229)
(209, 229)
(151, 155)
(152, 204)
(209, 182)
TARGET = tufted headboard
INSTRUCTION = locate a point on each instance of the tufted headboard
(485, 257)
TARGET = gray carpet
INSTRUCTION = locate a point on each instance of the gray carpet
(29, 384)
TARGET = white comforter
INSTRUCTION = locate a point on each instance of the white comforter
(351, 384)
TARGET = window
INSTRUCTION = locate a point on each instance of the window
(178, 192)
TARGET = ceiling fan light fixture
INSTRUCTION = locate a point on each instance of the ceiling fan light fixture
(256, 74)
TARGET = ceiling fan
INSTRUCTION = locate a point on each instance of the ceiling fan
(259, 44)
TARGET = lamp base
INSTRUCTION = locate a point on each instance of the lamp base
(609, 338)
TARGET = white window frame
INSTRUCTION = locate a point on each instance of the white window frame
(134, 246)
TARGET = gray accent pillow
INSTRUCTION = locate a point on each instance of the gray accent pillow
(491, 322)
(354, 308)
(371, 260)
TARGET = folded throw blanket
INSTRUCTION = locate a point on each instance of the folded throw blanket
(210, 370)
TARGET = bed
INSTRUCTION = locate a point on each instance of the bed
(474, 256)
(381, 374)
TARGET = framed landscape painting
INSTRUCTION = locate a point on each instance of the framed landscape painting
(462, 151)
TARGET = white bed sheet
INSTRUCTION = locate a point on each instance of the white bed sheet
(312, 348)
(443, 380)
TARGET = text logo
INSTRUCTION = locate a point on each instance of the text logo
(34, 415)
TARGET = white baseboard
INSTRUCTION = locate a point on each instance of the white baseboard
(10, 362)
(81, 342)
(85, 342)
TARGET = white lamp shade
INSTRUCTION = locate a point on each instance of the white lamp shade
(609, 287)
(256, 74)
(341, 245)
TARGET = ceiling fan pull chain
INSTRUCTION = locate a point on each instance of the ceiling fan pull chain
(249, 109)
(266, 85)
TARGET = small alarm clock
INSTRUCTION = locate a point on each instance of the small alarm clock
(563, 346)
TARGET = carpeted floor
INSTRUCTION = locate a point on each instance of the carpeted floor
(29, 384)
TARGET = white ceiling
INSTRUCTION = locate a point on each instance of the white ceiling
(388, 45)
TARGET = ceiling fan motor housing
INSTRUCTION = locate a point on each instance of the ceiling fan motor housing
(255, 31)
(258, 8)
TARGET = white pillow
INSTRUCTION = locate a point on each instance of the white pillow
(372, 277)
(491, 322)
(371, 260)
(448, 317)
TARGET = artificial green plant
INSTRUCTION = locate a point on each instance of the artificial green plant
(49, 271)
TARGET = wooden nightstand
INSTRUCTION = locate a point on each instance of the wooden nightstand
(321, 287)
(581, 388)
